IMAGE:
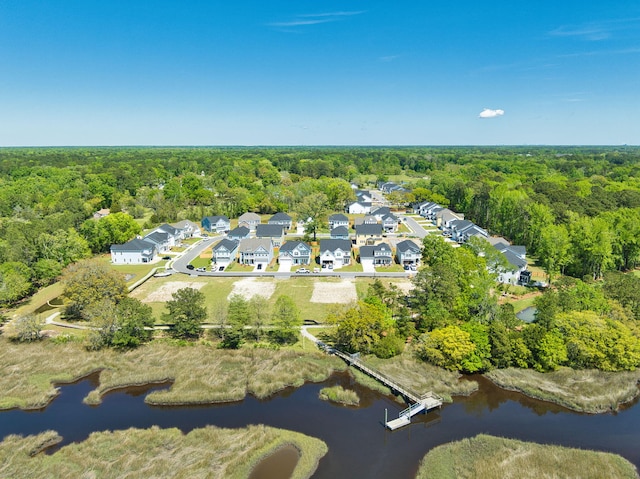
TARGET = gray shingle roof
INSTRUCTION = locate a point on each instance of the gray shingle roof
(133, 246)
(157, 237)
(252, 244)
(338, 217)
(340, 231)
(269, 231)
(369, 229)
(239, 232)
(334, 244)
(407, 245)
(280, 217)
(226, 244)
(289, 246)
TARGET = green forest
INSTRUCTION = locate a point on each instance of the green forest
(576, 209)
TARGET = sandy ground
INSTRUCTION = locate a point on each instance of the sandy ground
(405, 287)
(248, 288)
(343, 292)
(165, 292)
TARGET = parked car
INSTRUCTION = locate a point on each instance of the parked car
(221, 268)
(166, 258)
(201, 270)
(303, 270)
(190, 266)
(214, 268)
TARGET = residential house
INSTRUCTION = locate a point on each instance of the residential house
(420, 206)
(381, 212)
(175, 235)
(187, 228)
(408, 253)
(379, 255)
(101, 213)
(217, 224)
(462, 230)
(368, 235)
(338, 220)
(239, 233)
(250, 220)
(225, 251)
(340, 232)
(255, 251)
(275, 233)
(160, 240)
(366, 220)
(281, 219)
(136, 251)
(359, 208)
(390, 223)
(445, 217)
(431, 211)
(335, 253)
(363, 196)
(516, 258)
(295, 252)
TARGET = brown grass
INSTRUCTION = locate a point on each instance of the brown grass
(201, 373)
(209, 452)
(488, 457)
(589, 391)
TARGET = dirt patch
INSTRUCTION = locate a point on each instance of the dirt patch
(342, 292)
(250, 287)
(405, 287)
(165, 292)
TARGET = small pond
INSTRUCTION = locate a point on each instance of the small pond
(528, 315)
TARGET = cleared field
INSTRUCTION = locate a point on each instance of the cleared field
(250, 287)
(488, 457)
(342, 292)
(207, 452)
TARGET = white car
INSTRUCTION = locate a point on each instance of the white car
(303, 270)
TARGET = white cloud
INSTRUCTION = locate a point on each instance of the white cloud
(489, 113)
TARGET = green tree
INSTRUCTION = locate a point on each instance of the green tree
(259, 311)
(28, 328)
(286, 317)
(449, 347)
(313, 211)
(15, 282)
(554, 250)
(187, 311)
(135, 324)
(360, 327)
(88, 282)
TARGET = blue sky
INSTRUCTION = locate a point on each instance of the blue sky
(208, 72)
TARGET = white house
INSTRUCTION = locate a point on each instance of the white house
(408, 253)
(337, 220)
(359, 208)
(281, 219)
(136, 251)
(379, 255)
(335, 253)
(250, 220)
(224, 252)
(217, 224)
(160, 240)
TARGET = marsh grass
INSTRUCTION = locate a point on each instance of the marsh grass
(338, 394)
(589, 390)
(209, 452)
(489, 457)
(369, 382)
(201, 374)
(422, 377)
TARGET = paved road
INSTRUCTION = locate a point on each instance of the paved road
(413, 225)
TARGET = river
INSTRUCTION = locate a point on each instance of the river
(359, 445)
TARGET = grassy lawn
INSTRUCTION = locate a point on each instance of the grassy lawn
(490, 457)
(353, 267)
(392, 268)
(39, 299)
(201, 262)
(520, 304)
(154, 452)
(235, 266)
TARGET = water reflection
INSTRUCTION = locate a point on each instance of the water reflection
(359, 446)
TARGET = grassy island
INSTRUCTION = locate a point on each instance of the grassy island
(489, 457)
(207, 452)
(340, 395)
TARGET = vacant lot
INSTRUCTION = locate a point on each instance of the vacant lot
(165, 292)
(342, 292)
(250, 287)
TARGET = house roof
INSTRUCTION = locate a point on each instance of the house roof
(407, 245)
(269, 231)
(157, 237)
(340, 231)
(280, 217)
(338, 217)
(133, 246)
(249, 217)
(227, 244)
(446, 214)
(390, 217)
(366, 204)
(370, 251)
(383, 210)
(519, 250)
(249, 245)
(215, 219)
(166, 228)
(335, 244)
(369, 229)
(514, 260)
(239, 232)
(289, 246)
(185, 224)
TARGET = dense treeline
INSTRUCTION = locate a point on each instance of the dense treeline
(576, 208)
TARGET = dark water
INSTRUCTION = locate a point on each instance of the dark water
(359, 446)
(528, 315)
(279, 465)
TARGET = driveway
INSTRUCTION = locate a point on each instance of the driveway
(367, 266)
(285, 267)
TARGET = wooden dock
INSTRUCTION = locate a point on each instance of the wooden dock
(418, 403)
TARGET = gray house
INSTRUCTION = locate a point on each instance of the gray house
(250, 220)
(379, 255)
(408, 253)
(160, 240)
(224, 252)
(341, 232)
(255, 251)
(217, 224)
(295, 252)
(239, 233)
(281, 219)
(275, 233)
